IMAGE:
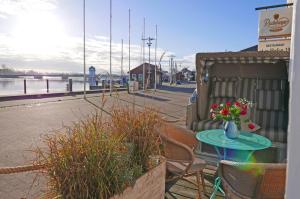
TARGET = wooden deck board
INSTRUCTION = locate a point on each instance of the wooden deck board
(183, 189)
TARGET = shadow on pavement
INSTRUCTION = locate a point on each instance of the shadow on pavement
(151, 97)
(176, 89)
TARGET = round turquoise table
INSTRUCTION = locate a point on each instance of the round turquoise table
(240, 148)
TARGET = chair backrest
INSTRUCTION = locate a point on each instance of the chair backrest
(273, 182)
(271, 98)
(178, 142)
(179, 134)
(221, 90)
(254, 180)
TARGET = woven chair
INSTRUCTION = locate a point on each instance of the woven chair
(252, 180)
(181, 162)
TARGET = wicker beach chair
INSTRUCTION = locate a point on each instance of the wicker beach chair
(252, 180)
(181, 162)
(258, 76)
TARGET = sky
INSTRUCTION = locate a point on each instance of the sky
(47, 35)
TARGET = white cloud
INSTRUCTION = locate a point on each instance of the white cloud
(20, 7)
(187, 61)
(70, 52)
(50, 48)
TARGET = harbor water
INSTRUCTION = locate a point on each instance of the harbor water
(15, 86)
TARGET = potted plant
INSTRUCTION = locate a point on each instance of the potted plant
(100, 157)
(232, 114)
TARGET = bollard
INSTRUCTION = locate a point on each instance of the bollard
(70, 85)
(47, 81)
(25, 89)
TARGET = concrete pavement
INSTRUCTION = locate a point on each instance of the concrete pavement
(24, 122)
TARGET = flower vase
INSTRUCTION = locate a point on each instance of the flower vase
(231, 130)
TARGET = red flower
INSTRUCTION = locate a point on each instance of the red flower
(214, 106)
(228, 103)
(243, 112)
(237, 104)
(251, 126)
(224, 111)
(244, 107)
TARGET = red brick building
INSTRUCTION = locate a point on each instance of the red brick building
(180, 76)
(136, 74)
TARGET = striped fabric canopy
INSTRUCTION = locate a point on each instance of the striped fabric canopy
(247, 57)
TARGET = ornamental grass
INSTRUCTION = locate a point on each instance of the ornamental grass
(98, 158)
(137, 129)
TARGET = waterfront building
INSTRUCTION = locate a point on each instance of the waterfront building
(136, 74)
(92, 76)
(185, 75)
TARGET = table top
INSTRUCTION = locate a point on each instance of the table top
(246, 141)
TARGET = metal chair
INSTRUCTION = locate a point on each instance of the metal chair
(178, 150)
(252, 180)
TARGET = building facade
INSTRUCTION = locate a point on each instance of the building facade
(92, 76)
(136, 74)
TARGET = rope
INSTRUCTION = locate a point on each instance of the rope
(20, 169)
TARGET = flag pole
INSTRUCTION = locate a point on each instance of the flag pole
(155, 77)
(84, 61)
(143, 38)
(122, 60)
(129, 27)
(110, 87)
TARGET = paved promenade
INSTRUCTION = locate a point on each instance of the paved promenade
(24, 122)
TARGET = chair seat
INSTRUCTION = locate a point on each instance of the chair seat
(176, 167)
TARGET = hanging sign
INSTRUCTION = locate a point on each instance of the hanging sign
(274, 45)
(275, 23)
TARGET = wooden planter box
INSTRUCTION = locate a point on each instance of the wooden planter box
(149, 186)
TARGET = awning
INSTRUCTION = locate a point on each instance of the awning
(247, 57)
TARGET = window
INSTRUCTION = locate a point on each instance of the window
(140, 77)
(134, 77)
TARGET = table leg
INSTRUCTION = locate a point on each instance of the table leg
(249, 155)
(217, 183)
(218, 152)
(217, 187)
